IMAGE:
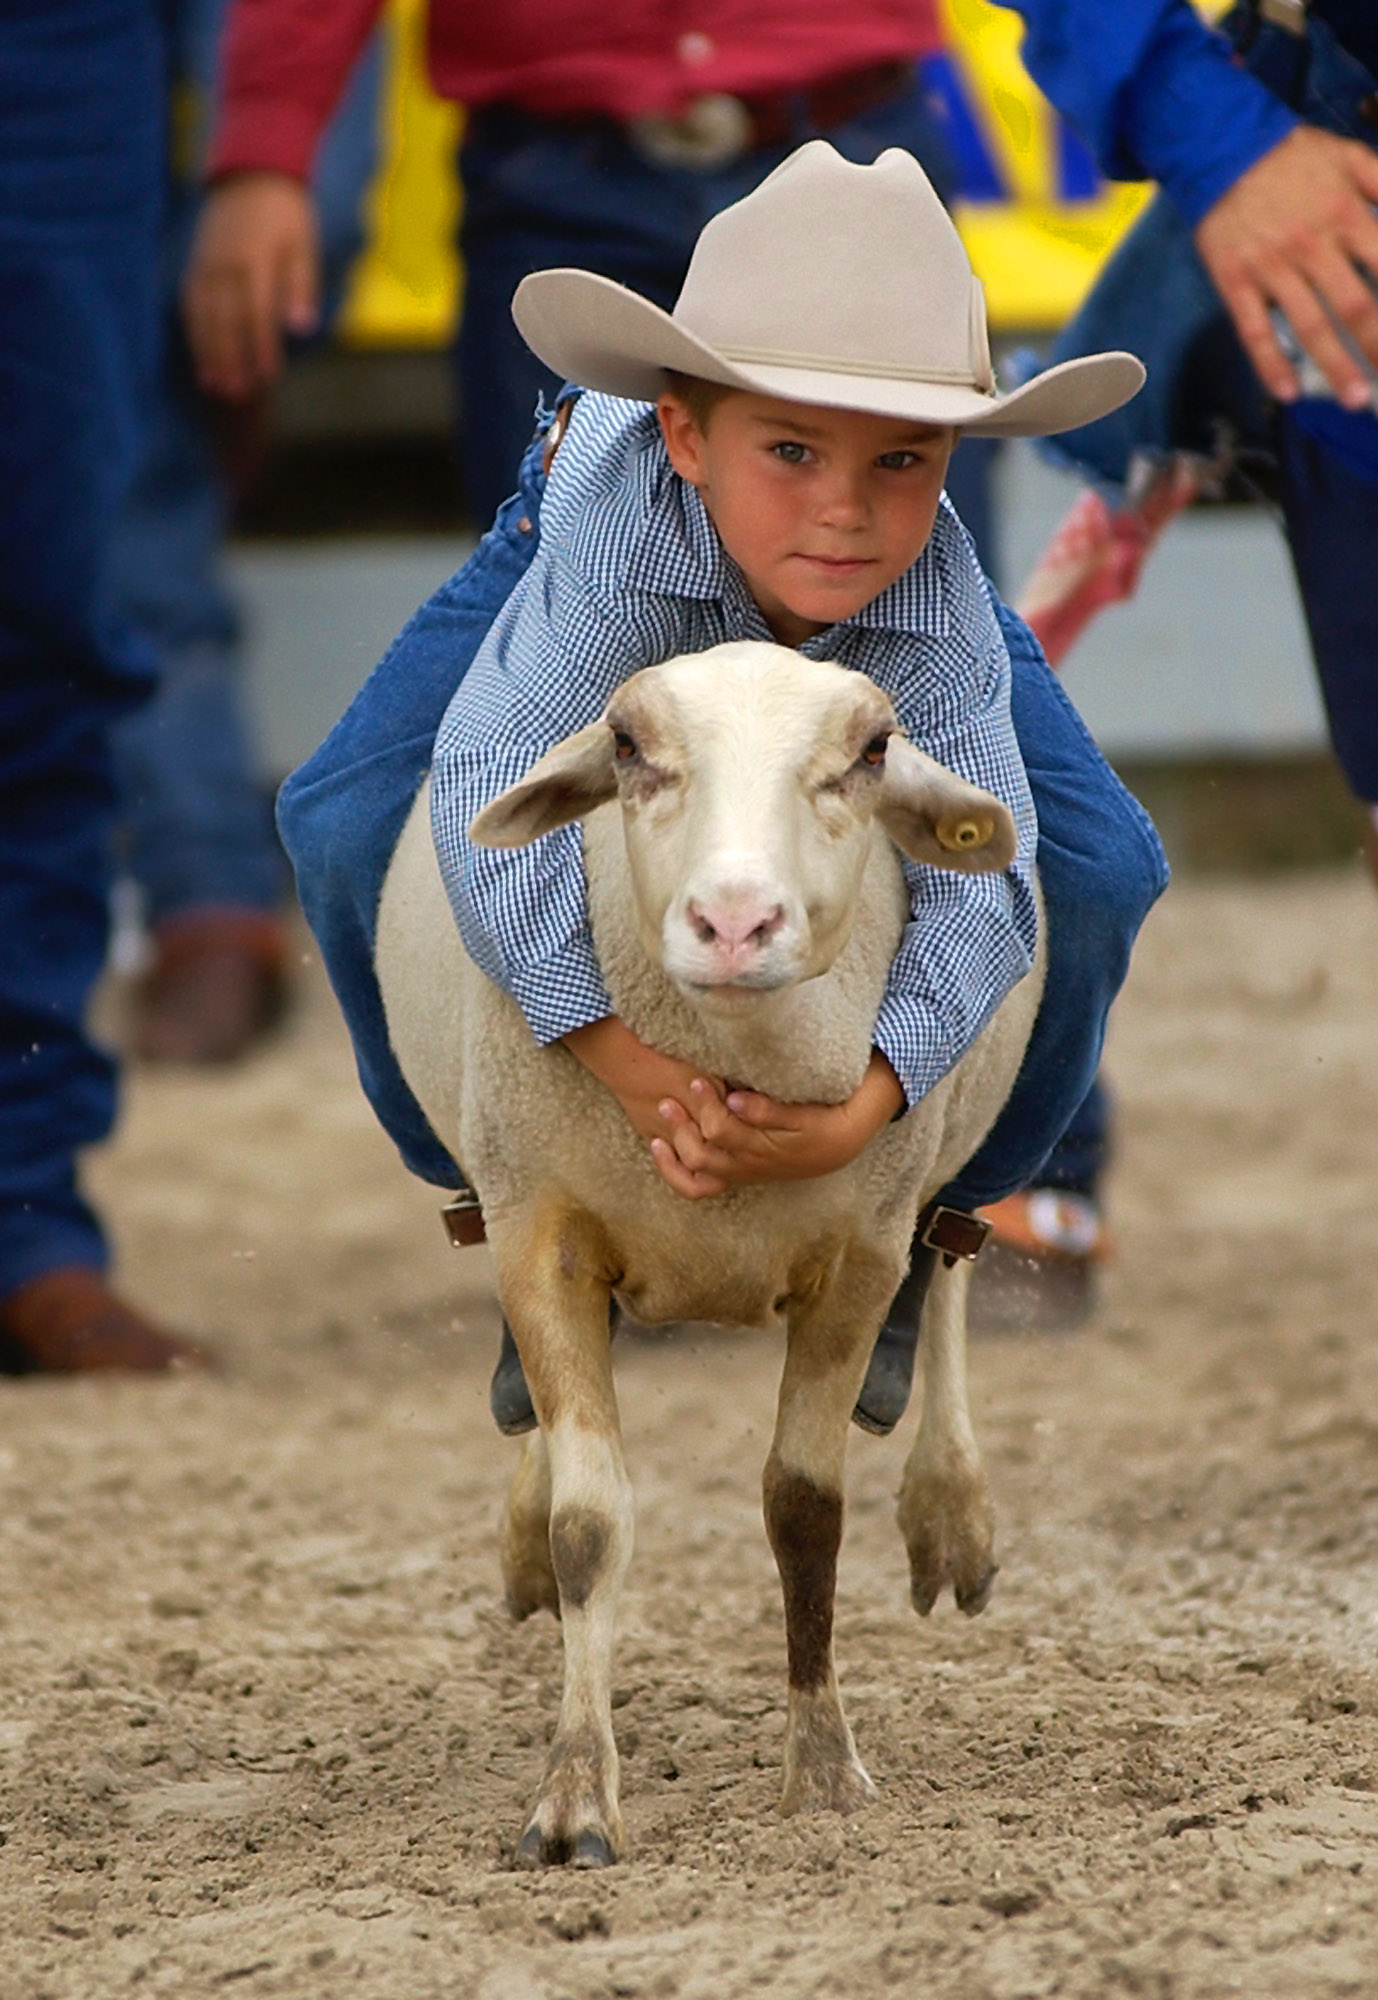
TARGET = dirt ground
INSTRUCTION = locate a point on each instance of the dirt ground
(265, 1728)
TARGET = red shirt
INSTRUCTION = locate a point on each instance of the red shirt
(286, 61)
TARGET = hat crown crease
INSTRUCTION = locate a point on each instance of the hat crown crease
(866, 258)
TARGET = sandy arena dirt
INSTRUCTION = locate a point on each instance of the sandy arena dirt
(265, 1729)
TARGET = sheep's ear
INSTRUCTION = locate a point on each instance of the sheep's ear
(935, 816)
(566, 783)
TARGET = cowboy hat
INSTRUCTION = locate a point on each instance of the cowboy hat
(829, 284)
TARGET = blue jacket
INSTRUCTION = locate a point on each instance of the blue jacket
(1155, 93)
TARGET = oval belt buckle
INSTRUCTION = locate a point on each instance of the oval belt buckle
(711, 131)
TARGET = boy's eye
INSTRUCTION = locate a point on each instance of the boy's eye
(791, 451)
(897, 461)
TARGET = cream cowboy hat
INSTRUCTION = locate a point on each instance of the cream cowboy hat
(829, 283)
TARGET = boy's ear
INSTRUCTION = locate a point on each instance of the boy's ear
(933, 815)
(566, 783)
(683, 438)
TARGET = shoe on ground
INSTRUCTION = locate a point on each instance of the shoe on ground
(70, 1323)
(217, 986)
(1040, 1269)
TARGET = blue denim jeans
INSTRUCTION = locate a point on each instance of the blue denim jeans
(1100, 861)
(196, 822)
(80, 177)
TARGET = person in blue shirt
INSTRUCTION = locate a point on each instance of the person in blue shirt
(1250, 289)
(767, 462)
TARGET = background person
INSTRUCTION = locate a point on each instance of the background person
(195, 832)
(582, 145)
(1263, 145)
(81, 168)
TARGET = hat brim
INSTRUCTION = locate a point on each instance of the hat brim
(602, 336)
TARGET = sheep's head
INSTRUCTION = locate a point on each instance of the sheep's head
(750, 781)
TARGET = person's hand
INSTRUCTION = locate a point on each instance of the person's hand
(640, 1078)
(253, 274)
(1297, 231)
(729, 1138)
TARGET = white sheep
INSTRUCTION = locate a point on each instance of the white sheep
(731, 802)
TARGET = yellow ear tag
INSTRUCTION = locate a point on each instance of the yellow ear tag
(959, 834)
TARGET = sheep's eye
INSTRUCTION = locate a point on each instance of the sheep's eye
(874, 753)
(623, 746)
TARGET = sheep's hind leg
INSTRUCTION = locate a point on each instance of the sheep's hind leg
(945, 1512)
(824, 1366)
(528, 1573)
(558, 1309)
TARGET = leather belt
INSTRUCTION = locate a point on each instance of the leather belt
(715, 129)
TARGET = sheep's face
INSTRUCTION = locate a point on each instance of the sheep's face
(749, 788)
(751, 781)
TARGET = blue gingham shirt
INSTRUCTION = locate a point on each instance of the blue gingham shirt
(630, 572)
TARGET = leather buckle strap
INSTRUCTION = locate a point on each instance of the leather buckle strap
(462, 1216)
(954, 1233)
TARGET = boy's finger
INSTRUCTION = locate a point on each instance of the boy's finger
(693, 1186)
(753, 1107)
(694, 1151)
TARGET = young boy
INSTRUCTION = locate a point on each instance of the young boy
(786, 484)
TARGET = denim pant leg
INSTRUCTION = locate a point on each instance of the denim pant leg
(79, 184)
(342, 813)
(1102, 868)
(1332, 532)
(196, 823)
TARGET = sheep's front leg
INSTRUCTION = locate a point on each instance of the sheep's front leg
(945, 1513)
(559, 1316)
(825, 1364)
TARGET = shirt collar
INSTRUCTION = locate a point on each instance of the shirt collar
(677, 552)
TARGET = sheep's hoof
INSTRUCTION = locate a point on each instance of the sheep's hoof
(949, 1530)
(530, 1587)
(585, 1849)
(974, 1600)
(971, 1582)
(840, 1788)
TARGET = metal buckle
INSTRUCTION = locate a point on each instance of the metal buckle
(555, 436)
(711, 131)
(955, 1233)
(1287, 14)
(462, 1216)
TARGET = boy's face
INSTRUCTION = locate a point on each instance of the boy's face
(820, 509)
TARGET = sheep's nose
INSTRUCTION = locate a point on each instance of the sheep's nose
(730, 927)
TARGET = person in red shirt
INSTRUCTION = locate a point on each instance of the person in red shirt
(600, 139)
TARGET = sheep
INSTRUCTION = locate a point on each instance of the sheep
(745, 908)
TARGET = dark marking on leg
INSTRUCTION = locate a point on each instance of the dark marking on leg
(804, 1523)
(579, 1539)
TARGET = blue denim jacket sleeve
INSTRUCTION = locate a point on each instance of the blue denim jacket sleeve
(1154, 92)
